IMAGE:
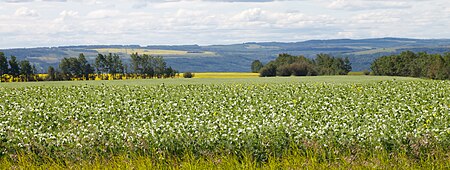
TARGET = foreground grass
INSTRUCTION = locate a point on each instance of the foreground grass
(293, 159)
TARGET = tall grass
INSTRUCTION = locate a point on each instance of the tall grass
(292, 158)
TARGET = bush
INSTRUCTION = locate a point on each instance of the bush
(188, 75)
(283, 70)
(366, 72)
(270, 70)
(299, 69)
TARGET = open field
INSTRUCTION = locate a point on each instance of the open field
(183, 81)
(374, 51)
(150, 51)
(248, 123)
(225, 75)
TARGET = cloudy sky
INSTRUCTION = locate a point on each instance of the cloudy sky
(33, 23)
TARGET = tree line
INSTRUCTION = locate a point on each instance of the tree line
(422, 64)
(105, 67)
(21, 70)
(288, 65)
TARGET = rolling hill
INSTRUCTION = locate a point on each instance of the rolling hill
(238, 57)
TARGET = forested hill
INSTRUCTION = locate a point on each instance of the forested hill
(238, 57)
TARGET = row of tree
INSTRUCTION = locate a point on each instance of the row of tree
(287, 65)
(141, 66)
(105, 67)
(434, 66)
(19, 69)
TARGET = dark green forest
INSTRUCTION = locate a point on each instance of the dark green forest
(289, 65)
(408, 63)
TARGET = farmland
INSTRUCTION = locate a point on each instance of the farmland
(129, 51)
(325, 121)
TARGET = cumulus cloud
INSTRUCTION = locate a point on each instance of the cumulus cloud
(103, 13)
(45, 23)
(69, 13)
(264, 18)
(22, 1)
(367, 4)
(26, 12)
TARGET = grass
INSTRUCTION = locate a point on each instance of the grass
(150, 51)
(374, 51)
(294, 159)
(181, 81)
(225, 75)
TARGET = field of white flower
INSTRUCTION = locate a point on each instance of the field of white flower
(80, 122)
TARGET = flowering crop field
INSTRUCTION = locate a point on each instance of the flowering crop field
(83, 121)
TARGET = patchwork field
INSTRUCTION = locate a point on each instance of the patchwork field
(248, 123)
(152, 51)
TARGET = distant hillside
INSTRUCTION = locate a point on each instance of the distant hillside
(238, 57)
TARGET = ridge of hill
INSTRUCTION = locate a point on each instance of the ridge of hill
(238, 57)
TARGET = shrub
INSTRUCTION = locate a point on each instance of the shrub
(188, 75)
(366, 72)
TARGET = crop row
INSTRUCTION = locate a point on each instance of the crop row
(80, 121)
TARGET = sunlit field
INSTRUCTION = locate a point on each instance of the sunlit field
(150, 51)
(225, 75)
(247, 123)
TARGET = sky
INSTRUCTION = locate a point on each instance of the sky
(45, 23)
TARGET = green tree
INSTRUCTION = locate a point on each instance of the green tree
(347, 65)
(101, 64)
(64, 66)
(188, 75)
(299, 68)
(26, 69)
(3, 64)
(269, 70)
(284, 70)
(86, 68)
(51, 74)
(14, 69)
(256, 66)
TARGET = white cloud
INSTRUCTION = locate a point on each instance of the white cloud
(25, 12)
(264, 18)
(367, 4)
(69, 13)
(377, 18)
(44, 23)
(103, 13)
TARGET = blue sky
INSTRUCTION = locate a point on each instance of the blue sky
(37, 23)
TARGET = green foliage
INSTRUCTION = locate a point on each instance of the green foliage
(73, 67)
(14, 68)
(51, 73)
(322, 120)
(269, 70)
(188, 75)
(26, 69)
(366, 72)
(324, 64)
(256, 66)
(3, 64)
(109, 64)
(434, 66)
(150, 66)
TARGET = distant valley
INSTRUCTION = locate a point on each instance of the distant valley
(238, 57)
